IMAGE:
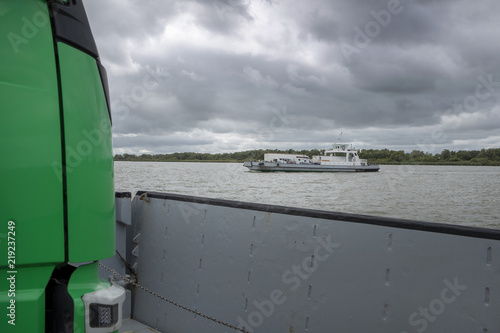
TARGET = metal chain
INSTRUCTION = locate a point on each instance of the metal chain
(135, 284)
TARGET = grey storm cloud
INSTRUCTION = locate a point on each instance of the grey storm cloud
(225, 75)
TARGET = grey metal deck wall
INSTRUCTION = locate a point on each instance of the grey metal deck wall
(278, 269)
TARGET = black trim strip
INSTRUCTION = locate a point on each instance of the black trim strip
(104, 81)
(63, 140)
(123, 195)
(72, 26)
(59, 305)
(356, 218)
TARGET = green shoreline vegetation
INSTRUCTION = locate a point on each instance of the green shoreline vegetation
(489, 156)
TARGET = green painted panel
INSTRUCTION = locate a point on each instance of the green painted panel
(23, 303)
(31, 192)
(89, 158)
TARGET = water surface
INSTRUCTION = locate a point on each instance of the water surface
(465, 195)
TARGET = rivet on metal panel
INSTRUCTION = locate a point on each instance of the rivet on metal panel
(314, 230)
(136, 238)
(202, 239)
(246, 304)
(488, 256)
(389, 242)
(166, 230)
(200, 264)
(307, 323)
(387, 276)
(135, 251)
(248, 277)
(251, 249)
(309, 292)
(197, 289)
(253, 223)
(164, 255)
(487, 296)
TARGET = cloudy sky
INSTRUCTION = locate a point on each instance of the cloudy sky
(233, 75)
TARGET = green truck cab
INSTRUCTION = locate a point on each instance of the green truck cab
(57, 213)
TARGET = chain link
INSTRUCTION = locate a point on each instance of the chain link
(135, 284)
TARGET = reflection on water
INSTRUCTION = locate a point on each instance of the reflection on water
(465, 195)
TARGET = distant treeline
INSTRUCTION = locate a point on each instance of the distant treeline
(378, 156)
(468, 157)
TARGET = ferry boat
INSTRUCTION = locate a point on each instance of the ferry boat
(340, 158)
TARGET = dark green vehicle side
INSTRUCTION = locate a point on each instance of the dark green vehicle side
(56, 172)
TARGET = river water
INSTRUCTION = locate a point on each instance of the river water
(464, 195)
